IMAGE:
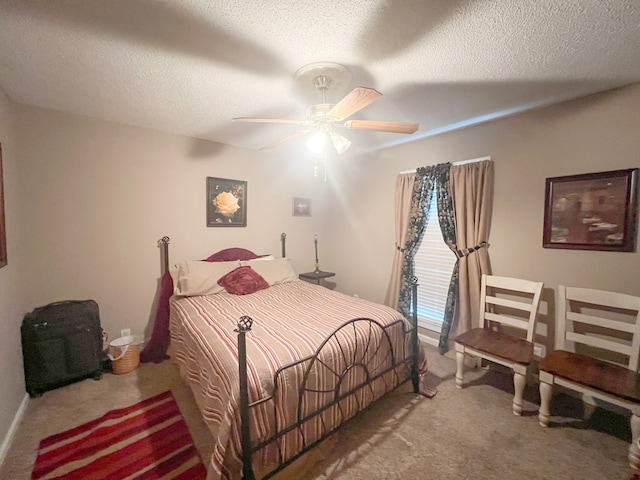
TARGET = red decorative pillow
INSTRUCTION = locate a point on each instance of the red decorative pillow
(242, 281)
(229, 254)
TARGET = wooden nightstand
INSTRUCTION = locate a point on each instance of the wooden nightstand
(316, 276)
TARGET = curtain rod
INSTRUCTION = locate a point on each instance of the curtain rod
(461, 162)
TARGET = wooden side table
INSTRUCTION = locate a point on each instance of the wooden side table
(316, 276)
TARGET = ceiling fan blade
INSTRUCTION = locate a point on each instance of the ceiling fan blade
(355, 101)
(285, 139)
(377, 126)
(269, 120)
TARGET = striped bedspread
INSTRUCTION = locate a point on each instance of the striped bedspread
(291, 321)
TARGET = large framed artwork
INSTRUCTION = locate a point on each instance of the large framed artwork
(3, 235)
(593, 211)
(226, 202)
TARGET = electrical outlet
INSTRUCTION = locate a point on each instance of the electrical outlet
(538, 350)
(125, 332)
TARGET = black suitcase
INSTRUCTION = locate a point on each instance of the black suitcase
(61, 344)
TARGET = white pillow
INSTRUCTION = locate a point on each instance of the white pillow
(274, 271)
(173, 271)
(195, 277)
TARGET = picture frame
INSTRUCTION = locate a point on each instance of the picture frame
(592, 211)
(226, 202)
(3, 232)
(301, 207)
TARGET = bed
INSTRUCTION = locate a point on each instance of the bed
(277, 369)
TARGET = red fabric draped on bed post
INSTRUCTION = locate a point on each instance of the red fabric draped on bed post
(155, 349)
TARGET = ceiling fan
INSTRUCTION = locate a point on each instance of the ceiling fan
(325, 119)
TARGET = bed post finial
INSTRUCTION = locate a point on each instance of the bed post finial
(244, 326)
(283, 240)
(163, 243)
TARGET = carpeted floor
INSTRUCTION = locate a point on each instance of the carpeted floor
(459, 434)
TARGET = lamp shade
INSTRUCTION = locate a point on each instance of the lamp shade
(340, 143)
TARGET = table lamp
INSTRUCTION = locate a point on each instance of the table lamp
(315, 241)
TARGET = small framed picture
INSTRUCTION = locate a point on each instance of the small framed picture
(226, 202)
(301, 207)
(593, 211)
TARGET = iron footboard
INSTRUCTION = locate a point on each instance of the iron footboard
(380, 363)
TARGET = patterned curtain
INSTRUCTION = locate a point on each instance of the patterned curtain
(447, 221)
(422, 190)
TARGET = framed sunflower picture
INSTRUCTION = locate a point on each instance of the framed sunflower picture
(226, 202)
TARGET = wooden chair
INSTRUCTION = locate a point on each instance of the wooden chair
(597, 348)
(492, 341)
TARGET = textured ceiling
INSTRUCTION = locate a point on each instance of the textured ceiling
(190, 66)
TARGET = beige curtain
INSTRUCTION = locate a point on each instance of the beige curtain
(404, 190)
(472, 196)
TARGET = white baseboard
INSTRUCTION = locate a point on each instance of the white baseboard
(428, 340)
(8, 438)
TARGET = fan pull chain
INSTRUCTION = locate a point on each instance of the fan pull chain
(325, 164)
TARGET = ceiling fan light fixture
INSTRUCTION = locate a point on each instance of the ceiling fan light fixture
(340, 143)
(316, 143)
(324, 118)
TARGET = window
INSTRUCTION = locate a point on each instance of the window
(434, 263)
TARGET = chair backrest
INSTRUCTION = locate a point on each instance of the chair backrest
(598, 323)
(517, 307)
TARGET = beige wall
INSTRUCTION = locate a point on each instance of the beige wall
(100, 195)
(13, 303)
(596, 133)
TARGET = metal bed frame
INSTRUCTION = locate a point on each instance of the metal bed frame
(394, 361)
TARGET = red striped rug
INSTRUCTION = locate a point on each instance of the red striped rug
(148, 440)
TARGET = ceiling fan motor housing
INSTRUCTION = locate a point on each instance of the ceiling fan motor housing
(319, 114)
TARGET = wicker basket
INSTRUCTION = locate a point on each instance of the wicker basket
(124, 353)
